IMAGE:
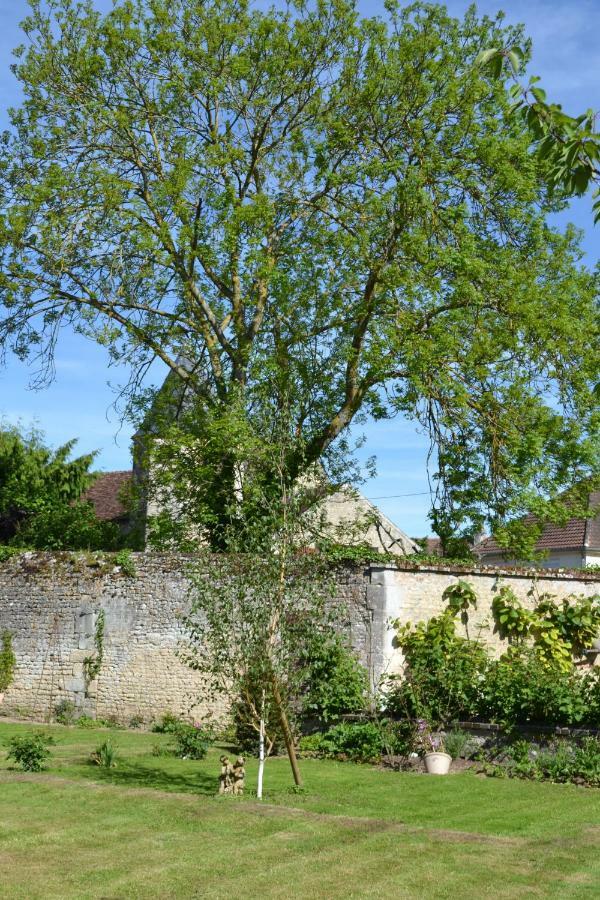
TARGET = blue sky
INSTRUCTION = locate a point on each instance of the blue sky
(78, 403)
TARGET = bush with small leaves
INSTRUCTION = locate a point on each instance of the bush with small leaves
(192, 741)
(30, 751)
(65, 712)
(168, 724)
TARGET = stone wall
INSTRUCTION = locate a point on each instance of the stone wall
(51, 603)
(413, 593)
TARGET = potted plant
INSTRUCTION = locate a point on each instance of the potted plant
(437, 761)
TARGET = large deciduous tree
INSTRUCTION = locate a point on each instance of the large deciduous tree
(40, 496)
(309, 210)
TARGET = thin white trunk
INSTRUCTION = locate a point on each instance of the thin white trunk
(261, 750)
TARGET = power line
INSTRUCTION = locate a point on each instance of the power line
(395, 496)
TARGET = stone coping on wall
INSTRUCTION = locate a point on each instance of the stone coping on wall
(476, 569)
(106, 563)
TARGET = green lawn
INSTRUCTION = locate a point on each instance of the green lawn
(153, 827)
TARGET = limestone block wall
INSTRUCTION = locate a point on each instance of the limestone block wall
(51, 604)
(414, 594)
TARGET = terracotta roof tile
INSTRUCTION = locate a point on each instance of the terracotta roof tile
(576, 534)
(105, 494)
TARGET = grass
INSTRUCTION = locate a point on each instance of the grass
(154, 827)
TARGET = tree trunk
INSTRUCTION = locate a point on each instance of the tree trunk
(287, 735)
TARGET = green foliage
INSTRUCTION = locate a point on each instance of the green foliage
(357, 741)
(93, 664)
(88, 722)
(512, 619)
(360, 554)
(136, 721)
(567, 146)
(457, 743)
(563, 761)
(65, 712)
(460, 597)
(30, 751)
(161, 750)
(443, 675)
(192, 741)
(105, 755)
(68, 527)
(448, 678)
(7, 552)
(167, 724)
(125, 560)
(8, 661)
(558, 631)
(369, 236)
(336, 682)
(37, 489)
(523, 688)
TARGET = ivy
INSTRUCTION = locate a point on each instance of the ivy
(7, 661)
(93, 664)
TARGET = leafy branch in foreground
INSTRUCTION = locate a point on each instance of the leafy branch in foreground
(569, 145)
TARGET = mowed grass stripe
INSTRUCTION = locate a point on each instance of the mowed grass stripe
(154, 828)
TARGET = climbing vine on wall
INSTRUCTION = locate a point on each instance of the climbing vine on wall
(93, 664)
(558, 629)
(7, 661)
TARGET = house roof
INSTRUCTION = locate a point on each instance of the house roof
(106, 492)
(577, 534)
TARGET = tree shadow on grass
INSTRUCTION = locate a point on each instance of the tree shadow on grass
(135, 775)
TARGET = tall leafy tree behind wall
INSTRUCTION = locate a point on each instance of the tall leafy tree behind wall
(308, 211)
(40, 496)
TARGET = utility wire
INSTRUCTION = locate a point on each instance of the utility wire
(394, 496)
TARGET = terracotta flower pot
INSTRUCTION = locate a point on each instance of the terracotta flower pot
(438, 763)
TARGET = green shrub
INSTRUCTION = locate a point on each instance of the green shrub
(136, 721)
(522, 688)
(457, 743)
(30, 751)
(88, 722)
(562, 761)
(125, 560)
(443, 675)
(167, 724)
(65, 712)
(358, 741)
(161, 750)
(7, 552)
(336, 682)
(105, 755)
(192, 741)
(311, 744)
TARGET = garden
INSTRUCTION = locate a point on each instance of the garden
(92, 808)
(152, 824)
